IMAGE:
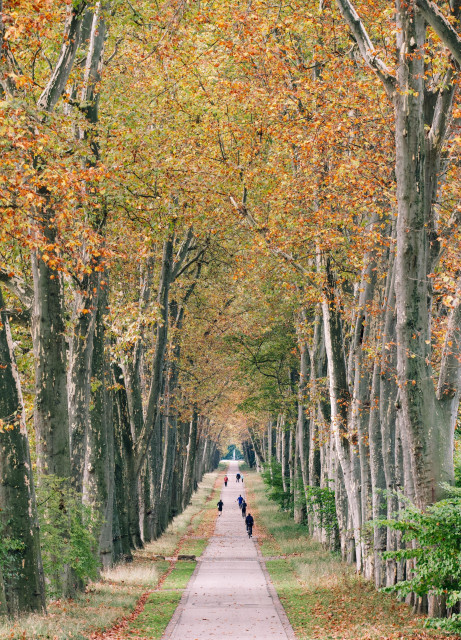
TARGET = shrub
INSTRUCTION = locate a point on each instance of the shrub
(320, 502)
(457, 461)
(434, 541)
(272, 476)
(68, 533)
(10, 559)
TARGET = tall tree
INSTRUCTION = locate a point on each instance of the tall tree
(23, 587)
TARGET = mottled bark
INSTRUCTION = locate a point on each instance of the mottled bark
(80, 369)
(303, 422)
(99, 481)
(63, 67)
(419, 135)
(127, 487)
(22, 581)
(345, 445)
(51, 417)
(360, 372)
(190, 459)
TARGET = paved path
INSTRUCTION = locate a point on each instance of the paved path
(230, 594)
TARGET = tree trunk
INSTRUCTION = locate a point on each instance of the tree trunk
(80, 369)
(99, 481)
(190, 460)
(340, 402)
(51, 416)
(22, 581)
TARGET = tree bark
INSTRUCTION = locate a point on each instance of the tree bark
(51, 414)
(23, 587)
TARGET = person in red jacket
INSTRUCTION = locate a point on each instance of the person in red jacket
(226, 479)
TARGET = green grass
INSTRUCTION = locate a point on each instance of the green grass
(152, 622)
(180, 575)
(194, 546)
(160, 606)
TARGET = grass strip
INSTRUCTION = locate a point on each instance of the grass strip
(323, 597)
(180, 575)
(160, 606)
(153, 620)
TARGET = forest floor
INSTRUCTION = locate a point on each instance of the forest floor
(322, 596)
(134, 600)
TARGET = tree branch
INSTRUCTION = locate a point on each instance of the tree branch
(366, 46)
(450, 370)
(17, 287)
(279, 253)
(181, 254)
(442, 27)
(442, 112)
(63, 67)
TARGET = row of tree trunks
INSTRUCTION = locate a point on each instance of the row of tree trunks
(137, 463)
(356, 434)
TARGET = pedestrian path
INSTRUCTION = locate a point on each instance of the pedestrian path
(230, 594)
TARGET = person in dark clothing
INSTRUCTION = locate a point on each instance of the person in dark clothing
(244, 509)
(237, 477)
(220, 506)
(240, 500)
(249, 523)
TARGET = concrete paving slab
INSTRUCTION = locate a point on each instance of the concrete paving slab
(230, 594)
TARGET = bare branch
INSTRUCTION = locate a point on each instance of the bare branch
(182, 252)
(114, 52)
(279, 253)
(450, 371)
(442, 112)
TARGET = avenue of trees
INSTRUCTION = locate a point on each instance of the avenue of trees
(227, 217)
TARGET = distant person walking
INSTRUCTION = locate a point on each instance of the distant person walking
(240, 500)
(226, 480)
(249, 523)
(241, 477)
(244, 509)
(237, 477)
(220, 506)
